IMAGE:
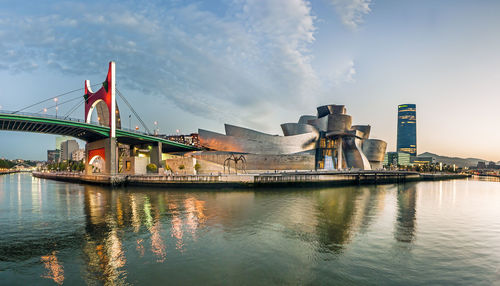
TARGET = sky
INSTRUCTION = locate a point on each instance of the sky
(260, 63)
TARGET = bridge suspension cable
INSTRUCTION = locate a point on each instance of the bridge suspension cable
(133, 111)
(59, 104)
(51, 98)
(76, 106)
(72, 109)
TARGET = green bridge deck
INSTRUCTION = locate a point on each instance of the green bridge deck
(81, 130)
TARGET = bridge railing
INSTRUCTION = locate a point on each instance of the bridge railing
(43, 115)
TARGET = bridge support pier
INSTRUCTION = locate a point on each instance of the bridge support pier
(104, 149)
(113, 161)
(155, 155)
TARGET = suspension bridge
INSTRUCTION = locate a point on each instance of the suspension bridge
(105, 138)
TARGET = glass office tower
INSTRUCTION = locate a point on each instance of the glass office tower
(407, 129)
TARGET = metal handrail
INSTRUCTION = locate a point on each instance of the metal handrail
(66, 119)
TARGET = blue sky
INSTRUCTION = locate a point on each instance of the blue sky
(259, 63)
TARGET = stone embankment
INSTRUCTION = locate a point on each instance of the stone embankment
(442, 176)
(306, 178)
(3, 172)
(335, 178)
(76, 177)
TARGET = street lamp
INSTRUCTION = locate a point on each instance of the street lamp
(55, 99)
(156, 127)
(129, 121)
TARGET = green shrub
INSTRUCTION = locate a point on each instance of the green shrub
(80, 167)
(151, 168)
(197, 167)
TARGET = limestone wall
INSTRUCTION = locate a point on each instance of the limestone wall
(135, 165)
(214, 162)
(175, 163)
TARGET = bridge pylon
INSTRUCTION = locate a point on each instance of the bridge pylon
(108, 114)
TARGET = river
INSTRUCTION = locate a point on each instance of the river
(425, 233)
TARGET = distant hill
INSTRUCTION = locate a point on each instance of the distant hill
(460, 162)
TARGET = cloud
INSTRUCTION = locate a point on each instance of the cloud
(351, 12)
(247, 60)
(345, 74)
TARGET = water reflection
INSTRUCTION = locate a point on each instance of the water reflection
(157, 245)
(405, 228)
(333, 218)
(343, 212)
(335, 214)
(120, 236)
(102, 247)
(109, 214)
(54, 269)
(176, 222)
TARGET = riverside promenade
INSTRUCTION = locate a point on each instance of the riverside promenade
(284, 179)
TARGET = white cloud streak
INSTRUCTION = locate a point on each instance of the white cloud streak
(351, 12)
(342, 74)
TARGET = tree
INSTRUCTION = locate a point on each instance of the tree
(152, 168)
(6, 164)
(81, 167)
(63, 166)
(197, 167)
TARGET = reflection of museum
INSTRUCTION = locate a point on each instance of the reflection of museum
(325, 141)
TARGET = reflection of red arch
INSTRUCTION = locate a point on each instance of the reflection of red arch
(96, 152)
(105, 102)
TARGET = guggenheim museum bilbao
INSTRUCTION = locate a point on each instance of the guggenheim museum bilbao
(326, 141)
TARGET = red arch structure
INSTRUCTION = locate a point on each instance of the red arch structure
(104, 101)
(100, 152)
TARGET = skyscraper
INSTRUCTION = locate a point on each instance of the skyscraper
(407, 129)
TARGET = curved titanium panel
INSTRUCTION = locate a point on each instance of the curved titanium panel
(339, 123)
(304, 118)
(320, 123)
(290, 129)
(220, 142)
(258, 143)
(237, 131)
(363, 128)
(324, 110)
(283, 145)
(374, 149)
(355, 158)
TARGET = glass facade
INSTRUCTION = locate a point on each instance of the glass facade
(407, 129)
(397, 159)
(327, 153)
